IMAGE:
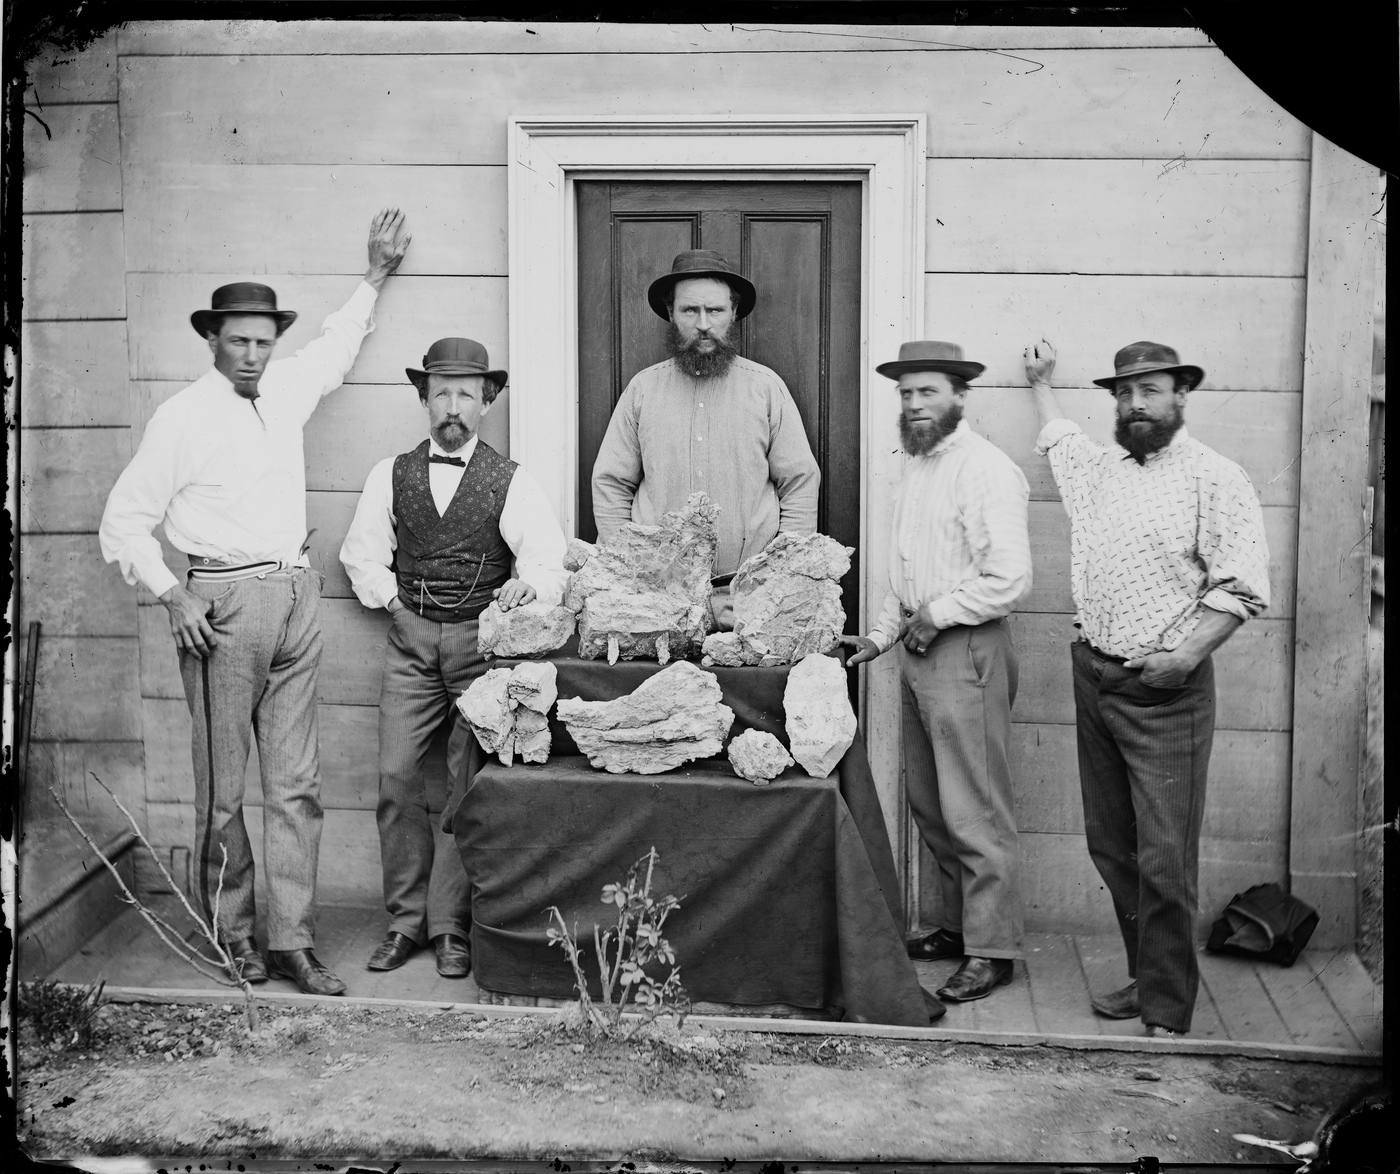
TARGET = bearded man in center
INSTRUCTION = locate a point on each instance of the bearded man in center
(707, 420)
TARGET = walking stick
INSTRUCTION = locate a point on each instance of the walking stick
(26, 722)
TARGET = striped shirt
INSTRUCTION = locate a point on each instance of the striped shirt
(738, 438)
(1152, 544)
(961, 542)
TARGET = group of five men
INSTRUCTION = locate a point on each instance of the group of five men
(1168, 557)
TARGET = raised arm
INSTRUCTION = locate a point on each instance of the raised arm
(1040, 363)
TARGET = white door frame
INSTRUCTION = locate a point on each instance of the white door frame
(887, 154)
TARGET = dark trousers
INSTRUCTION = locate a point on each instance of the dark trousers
(956, 725)
(426, 666)
(259, 682)
(1144, 753)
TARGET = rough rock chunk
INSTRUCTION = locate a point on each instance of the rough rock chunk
(534, 685)
(528, 630)
(645, 592)
(722, 648)
(578, 553)
(531, 735)
(669, 719)
(486, 706)
(820, 722)
(758, 757)
(508, 710)
(787, 600)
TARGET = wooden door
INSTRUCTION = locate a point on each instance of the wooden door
(799, 243)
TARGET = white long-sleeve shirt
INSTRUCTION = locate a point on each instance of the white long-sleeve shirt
(527, 524)
(961, 540)
(226, 474)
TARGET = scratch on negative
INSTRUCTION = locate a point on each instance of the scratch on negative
(1039, 65)
(1285, 469)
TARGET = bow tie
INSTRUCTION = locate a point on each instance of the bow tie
(433, 458)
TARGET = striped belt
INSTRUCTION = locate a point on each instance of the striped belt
(225, 573)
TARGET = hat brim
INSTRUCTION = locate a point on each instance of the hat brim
(963, 370)
(207, 321)
(657, 291)
(1195, 374)
(419, 379)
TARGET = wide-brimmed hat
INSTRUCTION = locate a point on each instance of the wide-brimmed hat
(928, 355)
(1142, 358)
(454, 356)
(701, 263)
(242, 297)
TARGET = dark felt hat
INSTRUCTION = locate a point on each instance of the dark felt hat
(454, 356)
(931, 356)
(701, 263)
(1142, 358)
(242, 297)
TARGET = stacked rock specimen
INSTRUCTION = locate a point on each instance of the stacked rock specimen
(820, 722)
(671, 718)
(645, 592)
(508, 710)
(531, 629)
(758, 757)
(787, 603)
(578, 553)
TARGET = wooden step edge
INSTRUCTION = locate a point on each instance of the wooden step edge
(1098, 1043)
(32, 908)
(48, 936)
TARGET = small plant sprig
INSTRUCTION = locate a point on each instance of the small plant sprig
(61, 1013)
(624, 951)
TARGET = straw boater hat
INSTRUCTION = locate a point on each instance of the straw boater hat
(701, 263)
(454, 356)
(931, 356)
(1142, 358)
(242, 297)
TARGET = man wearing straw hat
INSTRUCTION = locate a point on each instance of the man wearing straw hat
(707, 419)
(1167, 559)
(432, 541)
(221, 462)
(960, 560)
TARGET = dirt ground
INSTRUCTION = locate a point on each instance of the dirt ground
(191, 1082)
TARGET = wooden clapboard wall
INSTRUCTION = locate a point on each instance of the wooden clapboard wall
(1093, 186)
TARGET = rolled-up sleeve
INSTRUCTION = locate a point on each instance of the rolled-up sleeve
(1234, 549)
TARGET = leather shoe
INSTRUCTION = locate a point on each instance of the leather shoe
(246, 958)
(1120, 1004)
(392, 952)
(942, 943)
(975, 979)
(303, 969)
(454, 956)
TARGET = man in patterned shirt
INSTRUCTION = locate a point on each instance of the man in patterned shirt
(1167, 559)
(960, 560)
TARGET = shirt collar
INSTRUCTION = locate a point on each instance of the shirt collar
(952, 440)
(465, 452)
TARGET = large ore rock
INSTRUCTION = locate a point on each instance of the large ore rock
(486, 706)
(646, 591)
(534, 685)
(758, 756)
(820, 722)
(508, 710)
(787, 602)
(531, 629)
(671, 718)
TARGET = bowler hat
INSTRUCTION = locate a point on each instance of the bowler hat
(931, 356)
(242, 297)
(454, 356)
(701, 263)
(1142, 358)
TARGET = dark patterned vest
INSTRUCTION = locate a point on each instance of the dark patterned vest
(448, 565)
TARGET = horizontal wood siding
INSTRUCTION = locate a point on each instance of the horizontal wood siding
(1089, 186)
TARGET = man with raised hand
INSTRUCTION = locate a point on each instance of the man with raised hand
(221, 463)
(1167, 559)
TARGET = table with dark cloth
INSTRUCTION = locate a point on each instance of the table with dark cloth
(788, 891)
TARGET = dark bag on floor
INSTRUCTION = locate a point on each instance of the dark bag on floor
(1264, 922)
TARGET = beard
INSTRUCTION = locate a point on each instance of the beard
(451, 435)
(1141, 436)
(922, 438)
(696, 363)
(247, 388)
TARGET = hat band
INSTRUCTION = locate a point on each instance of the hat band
(245, 308)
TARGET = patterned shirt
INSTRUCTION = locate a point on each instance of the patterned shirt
(738, 438)
(961, 540)
(1152, 544)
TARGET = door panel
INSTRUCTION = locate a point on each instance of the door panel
(799, 243)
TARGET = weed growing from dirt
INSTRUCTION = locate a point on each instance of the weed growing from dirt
(60, 1014)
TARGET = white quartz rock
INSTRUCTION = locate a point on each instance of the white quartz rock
(486, 706)
(787, 599)
(758, 757)
(534, 685)
(820, 722)
(531, 735)
(531, 629)
(671, 718)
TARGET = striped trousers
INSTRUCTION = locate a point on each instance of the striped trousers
(259, 682)
(1144, 754)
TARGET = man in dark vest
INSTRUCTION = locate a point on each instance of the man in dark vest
(432, 541)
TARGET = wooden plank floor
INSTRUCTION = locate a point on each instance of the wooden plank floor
(1325, 1000)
